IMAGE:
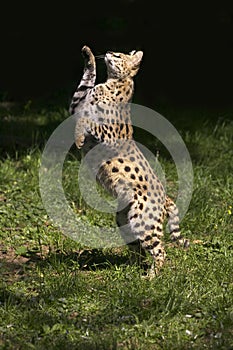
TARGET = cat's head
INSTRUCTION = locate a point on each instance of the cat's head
(120, 65)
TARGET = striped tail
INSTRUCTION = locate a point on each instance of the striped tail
(174, 223)
(88, 79)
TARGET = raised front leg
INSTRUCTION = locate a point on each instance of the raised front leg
(88, 79)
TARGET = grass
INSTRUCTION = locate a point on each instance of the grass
(56, 294)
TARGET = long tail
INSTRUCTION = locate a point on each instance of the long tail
(88, 79)
(174, 223)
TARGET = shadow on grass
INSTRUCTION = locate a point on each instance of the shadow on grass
(14, 266)
(88, 260)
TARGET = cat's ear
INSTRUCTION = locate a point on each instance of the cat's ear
(137, 57)
(136, 60)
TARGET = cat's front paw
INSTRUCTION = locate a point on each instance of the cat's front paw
(80, 141)
(88, 56)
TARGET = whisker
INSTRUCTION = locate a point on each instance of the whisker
(100, 56)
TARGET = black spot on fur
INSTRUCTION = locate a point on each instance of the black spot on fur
(147, 238)
(155, 244)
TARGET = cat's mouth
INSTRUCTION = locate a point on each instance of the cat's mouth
(108, 59)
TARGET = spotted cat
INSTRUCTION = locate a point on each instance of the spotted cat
(103, 114)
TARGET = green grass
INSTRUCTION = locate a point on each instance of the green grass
(56, 294)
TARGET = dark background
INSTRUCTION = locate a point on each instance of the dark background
(188, 49)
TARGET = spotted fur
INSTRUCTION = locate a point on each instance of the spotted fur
(103, 114)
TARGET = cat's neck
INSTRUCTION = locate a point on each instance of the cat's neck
(125, 86)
